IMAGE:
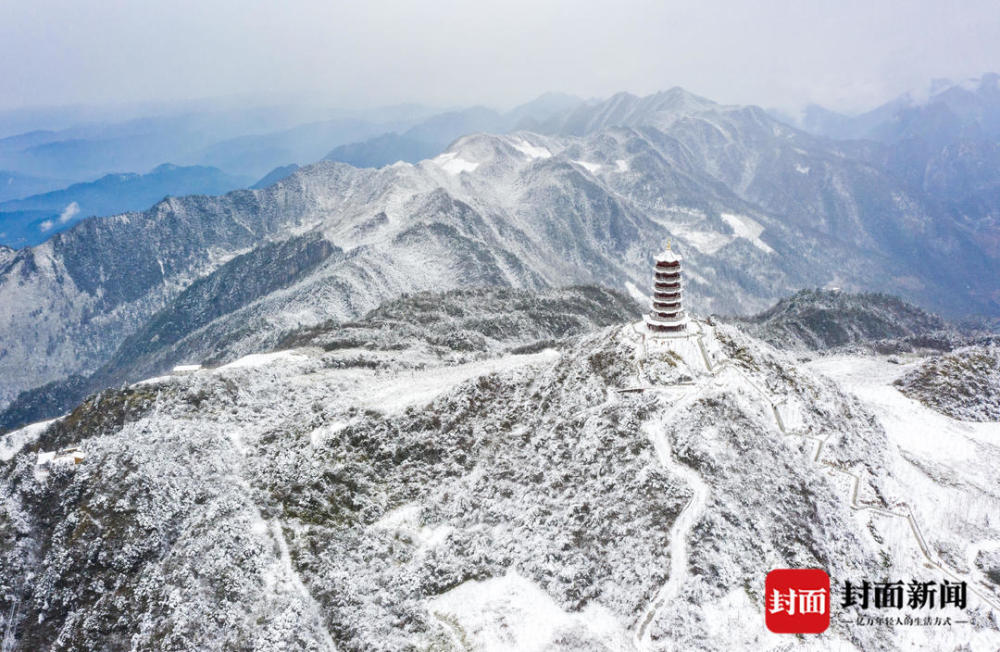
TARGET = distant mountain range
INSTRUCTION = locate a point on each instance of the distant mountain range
(245, 143)
(32, 220)
(943, 149)
(242, 141)
(255, 155)
(758, 208)
(14, 185)
(950, 110)
(432, 136)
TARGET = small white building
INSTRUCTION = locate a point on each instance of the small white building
(65, 457)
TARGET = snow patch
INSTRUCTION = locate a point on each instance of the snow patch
(13, 442)
(155, 380)
(621, 165)
(405, 522)
(593, 168)
(422, 387)
(747, 228)
(263, 360)
(791, 414)
(636, 293)
(802, 169)
(695, 276)
(529, 150)
(452, 163)
(512, 613)
(319, 435)
(707, 242)
(909, 423)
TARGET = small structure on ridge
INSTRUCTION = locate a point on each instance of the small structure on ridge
(65, 457)
(666, 315)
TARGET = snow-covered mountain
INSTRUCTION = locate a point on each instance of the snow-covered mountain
(383, 486)
(481, 319)
(32, 220)
(433, 135)
(963, 384)
(942, 146)
(824, 320)
(758, 209)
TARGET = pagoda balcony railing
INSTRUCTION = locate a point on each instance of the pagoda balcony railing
(662, 328)
(668, 317)
(664, 265)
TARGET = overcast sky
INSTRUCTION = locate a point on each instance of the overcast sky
(844, 54)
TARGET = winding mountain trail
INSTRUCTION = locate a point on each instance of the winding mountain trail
(904, 510)
(309, 603)
(679, 531)
(695, 506)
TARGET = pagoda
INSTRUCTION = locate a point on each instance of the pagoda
(666, 314)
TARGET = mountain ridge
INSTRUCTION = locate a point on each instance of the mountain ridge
(488, 489)
(112, 194)
(530, 210)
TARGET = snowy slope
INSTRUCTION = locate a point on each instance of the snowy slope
(521, 209)
(963, 384)
(831, 320)
(477, 320)
(379, 498)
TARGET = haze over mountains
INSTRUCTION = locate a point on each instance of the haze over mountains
(760, 209)
(227, 149)
(943, 147)
(433, 135)
(33, 219)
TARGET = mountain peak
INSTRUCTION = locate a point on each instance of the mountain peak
(625, 109)
(164, 167)
(680, 97)
(828, 319)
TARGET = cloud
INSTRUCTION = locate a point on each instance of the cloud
(68, 213)
(850, 53)
(46, 225)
